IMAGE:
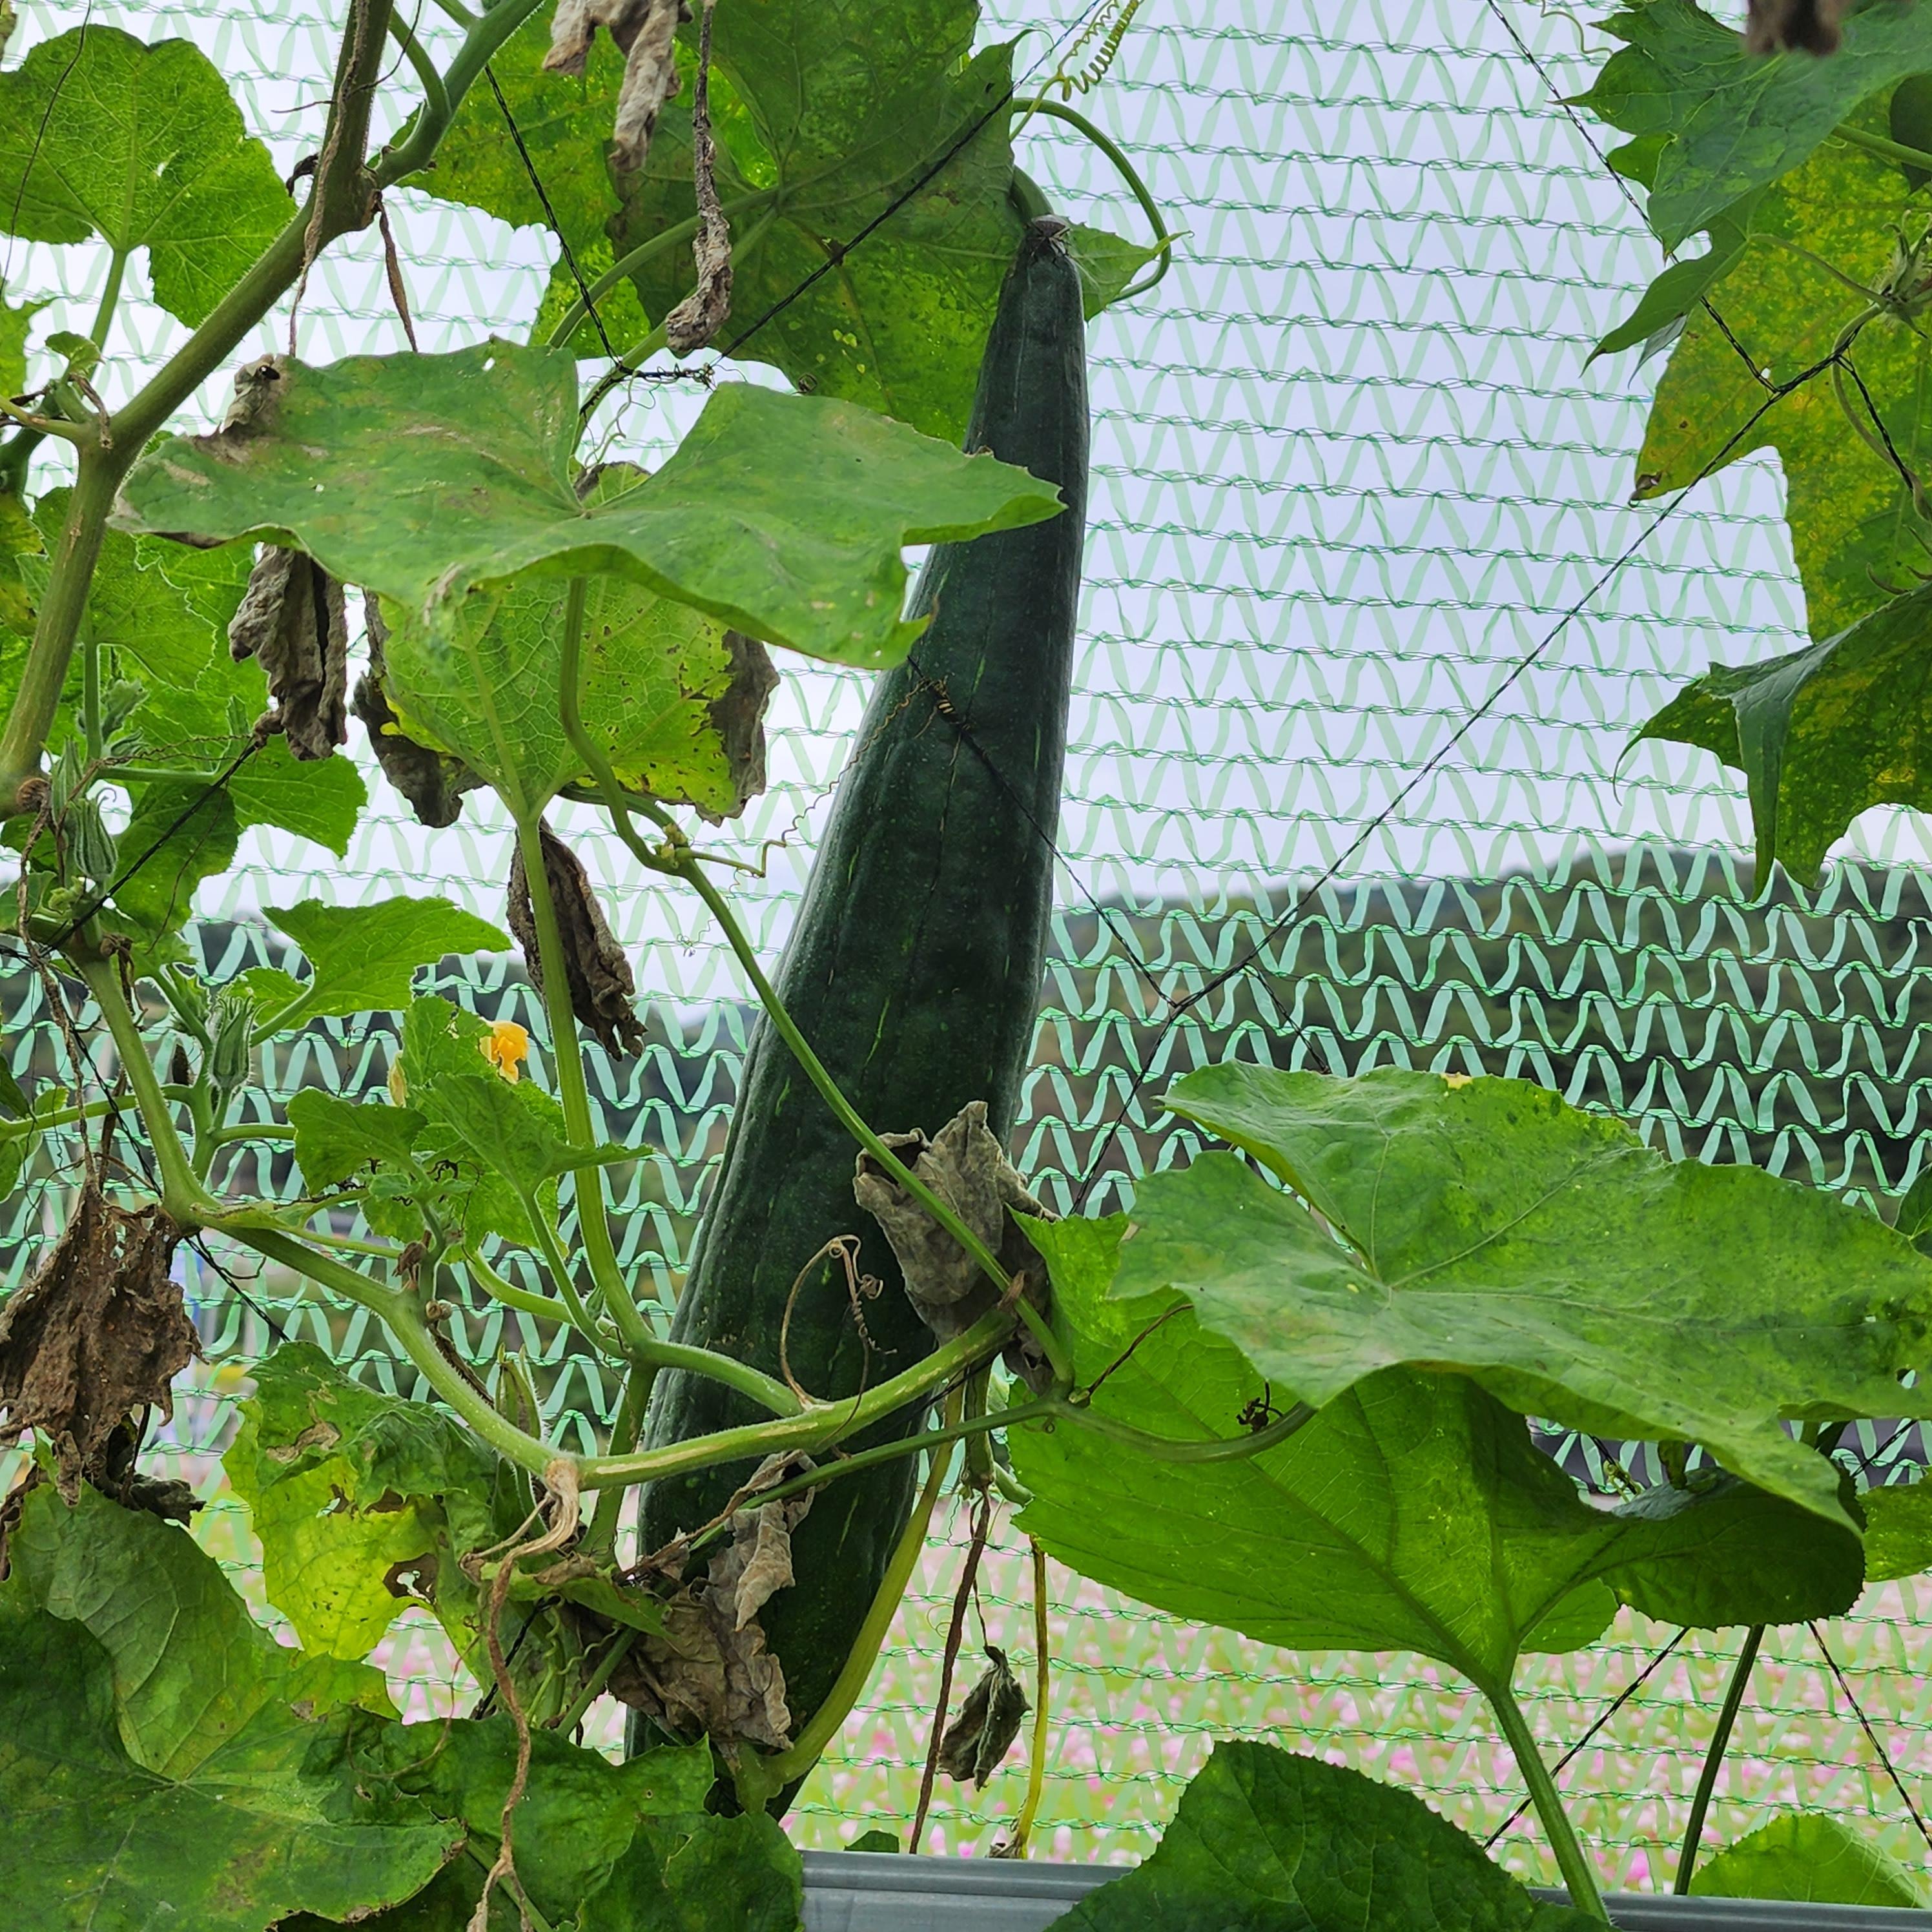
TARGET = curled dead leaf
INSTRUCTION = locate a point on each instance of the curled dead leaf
(709, 1672)
(432, 781)
(977, 1741)
(1812, 24)
(701, 314)
(966, 1167)
(601, 988)
(292, 621)
(646, 32)
(97, 1333)
(737, 715)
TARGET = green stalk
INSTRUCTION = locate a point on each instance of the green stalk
(1886, 151)
(545, 1307)
(559, 1268)
(1578, 1878)
(760, 1779)
(1042, 1643)
(1707, 1777)
(110, 298)
(1058, 110)
(436, 98)
(403, 1320)
(615, 1651)
(593, 1225)
(484, 37)
(600, 1535)
(186, 1201)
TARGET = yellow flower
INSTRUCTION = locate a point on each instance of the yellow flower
(506, 1046)
(1456, 1079)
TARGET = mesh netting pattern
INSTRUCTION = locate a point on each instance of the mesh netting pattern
(1354, 487)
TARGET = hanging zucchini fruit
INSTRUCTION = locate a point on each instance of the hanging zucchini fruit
(913, 970)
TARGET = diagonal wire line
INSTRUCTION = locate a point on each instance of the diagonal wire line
(1871, 1735)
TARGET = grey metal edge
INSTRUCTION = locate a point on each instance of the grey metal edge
(866, 1891)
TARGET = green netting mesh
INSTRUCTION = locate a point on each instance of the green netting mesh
(1353, 490)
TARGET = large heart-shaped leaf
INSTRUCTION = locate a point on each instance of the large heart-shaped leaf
(1263, 1837)
(1776, 313)
(1712, 123)
(1484, 1226)
(426, 476)
(141, 146)
(1811, 1856)
(1413, 1513)
(1821, 734)
(362, 1502)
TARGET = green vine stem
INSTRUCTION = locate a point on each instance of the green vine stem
(1058, 110)
(1886, 150)
(760, 1779)
(1707, 1777)
(545, 1307)
(1042, 1642)
(593, 1225)
(185, 1201)
(1578, 1879)
(435, 97)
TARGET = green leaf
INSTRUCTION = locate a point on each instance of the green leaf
(601, 1847)
(363, 957)
(141, 146)
(1413, 1513)
(1723, 123)
(564, 122)
(783, 516)
(852, 107)
(1264, 1838)
(15, 319)
(1485, 1227)
(1813, 1856)
(517, 1129)
(1821, 734)
(335, 1138)
(19, 575)
(267, 1824)
(1855, 534)
(487, 693)
(1898, 1531)
(362, 1501)
(1107, 265)
(161, 1607)
(1683, 286)
(178, 835)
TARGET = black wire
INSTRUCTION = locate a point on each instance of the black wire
(1609, 1711)
(549, 214)
(1865, 1725)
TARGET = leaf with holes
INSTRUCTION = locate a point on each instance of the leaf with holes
(1485, 1227)
(1263, 1837)
(783, 516)
(1820, 735)
(1413, 1513)
(146, 151)
(363, 957)
(363, 1502)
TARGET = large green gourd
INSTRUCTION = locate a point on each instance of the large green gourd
(913, 970)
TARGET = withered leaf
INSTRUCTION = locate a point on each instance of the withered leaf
(432, 781)
(977, 1741)
(645, 31)
(701, 314)
(98, 1333)
(1812, 24)
(709, 1672)
(292, 621)
(737, 715)
(601, 988)
(966, 1166)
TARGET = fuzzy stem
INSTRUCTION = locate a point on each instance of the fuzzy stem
(770, 1775)
(186, 1202)
(1578, 1879)
(1707, 1777)
(593, 1225)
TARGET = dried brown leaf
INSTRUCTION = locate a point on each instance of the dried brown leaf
(977, 1741)
(709, 1672)
(98, 1333)
(601, 988)
(646, 32)
(1812, 24)
(432, 781)
(966, 1167)
(737, 715)
(292, 621)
